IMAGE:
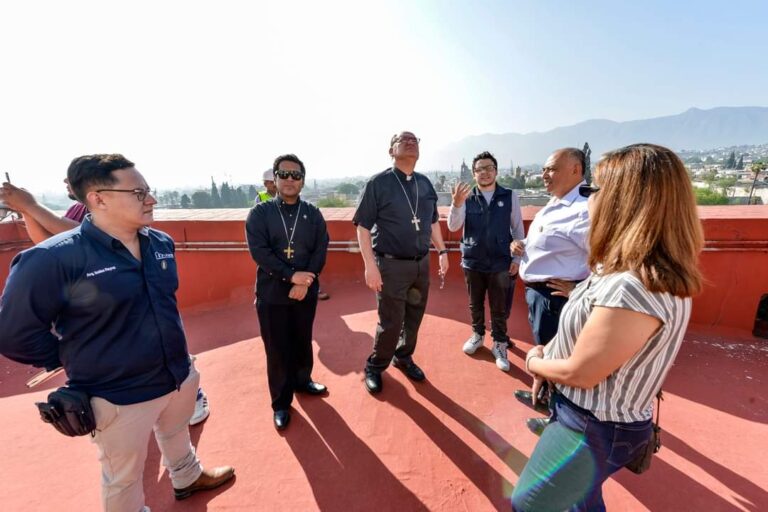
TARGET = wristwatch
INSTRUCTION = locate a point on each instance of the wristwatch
(442, 251)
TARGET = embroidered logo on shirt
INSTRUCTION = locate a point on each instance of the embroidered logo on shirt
(501, 204)
(100, 271)
(161, 256)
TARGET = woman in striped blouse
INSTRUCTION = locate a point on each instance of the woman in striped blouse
(620, 331)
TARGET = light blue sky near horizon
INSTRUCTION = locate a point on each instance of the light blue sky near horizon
(191, 90)
(556, 63)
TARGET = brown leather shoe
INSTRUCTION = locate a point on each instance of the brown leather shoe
(321, 295)
(209, 479)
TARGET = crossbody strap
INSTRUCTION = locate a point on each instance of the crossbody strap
(656, 427)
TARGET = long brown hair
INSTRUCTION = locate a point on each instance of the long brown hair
(644, 219)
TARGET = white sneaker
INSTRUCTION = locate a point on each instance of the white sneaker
(472, 344)
(201, 408)
(499, 351)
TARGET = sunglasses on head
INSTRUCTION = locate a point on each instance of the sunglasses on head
(588, 190)
(294, 175)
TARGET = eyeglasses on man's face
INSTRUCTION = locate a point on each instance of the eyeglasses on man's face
(140, 193)
(485, 168)
(407, 140)
(294, 175)
(588, 190)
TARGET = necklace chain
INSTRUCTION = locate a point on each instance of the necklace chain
(410, 206)
(288, 251)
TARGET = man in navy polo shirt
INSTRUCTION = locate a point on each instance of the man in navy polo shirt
(42, 223)
(108, 288)
(491, 218)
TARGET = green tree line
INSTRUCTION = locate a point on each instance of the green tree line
(225, 197)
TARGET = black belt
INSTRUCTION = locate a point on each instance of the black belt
(402, 258)
(542, 285)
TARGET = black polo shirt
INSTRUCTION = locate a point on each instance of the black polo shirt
(386, 213)
(268, 234)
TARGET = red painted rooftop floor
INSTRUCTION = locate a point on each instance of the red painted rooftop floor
(456, 442)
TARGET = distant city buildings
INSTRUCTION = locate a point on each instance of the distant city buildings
(720, 176)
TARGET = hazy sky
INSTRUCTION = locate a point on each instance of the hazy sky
(193, 89)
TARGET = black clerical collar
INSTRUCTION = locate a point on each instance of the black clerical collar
(281, 202)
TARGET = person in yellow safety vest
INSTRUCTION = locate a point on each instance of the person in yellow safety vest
(269, 185)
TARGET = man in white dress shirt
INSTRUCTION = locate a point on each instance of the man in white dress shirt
(554, 254)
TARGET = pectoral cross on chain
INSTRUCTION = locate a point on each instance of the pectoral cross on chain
(289, 252)
(415, 221)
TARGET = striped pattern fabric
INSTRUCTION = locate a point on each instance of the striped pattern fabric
(627, 394)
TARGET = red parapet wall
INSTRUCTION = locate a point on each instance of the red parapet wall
(215, 267)
(13, 238)
(735, 265)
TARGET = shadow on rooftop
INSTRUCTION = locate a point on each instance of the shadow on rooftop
(342, 470)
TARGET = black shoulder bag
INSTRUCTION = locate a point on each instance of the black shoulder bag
(642, 462)
(69, 411)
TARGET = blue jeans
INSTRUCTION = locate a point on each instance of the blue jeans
(543, 312)
(575, 455)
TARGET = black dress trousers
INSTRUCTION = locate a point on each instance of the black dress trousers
(401, 305)
(287, 333)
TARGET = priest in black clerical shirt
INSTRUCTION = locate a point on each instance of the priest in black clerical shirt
(288, 239)
(396, 222)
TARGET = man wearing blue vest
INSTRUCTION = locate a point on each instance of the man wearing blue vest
(491, 218)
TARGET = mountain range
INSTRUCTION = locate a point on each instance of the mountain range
(693, 129)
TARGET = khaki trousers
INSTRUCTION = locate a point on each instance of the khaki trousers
(122, 435)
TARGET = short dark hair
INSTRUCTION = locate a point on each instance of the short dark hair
(483, 156)
(290, 157)
(577, 155)
(88, 170)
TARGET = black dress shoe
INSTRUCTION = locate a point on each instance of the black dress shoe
(312, 388)
(525, 397)
(410, 369)
(282, 418)
(373, 382)
(537, 425)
